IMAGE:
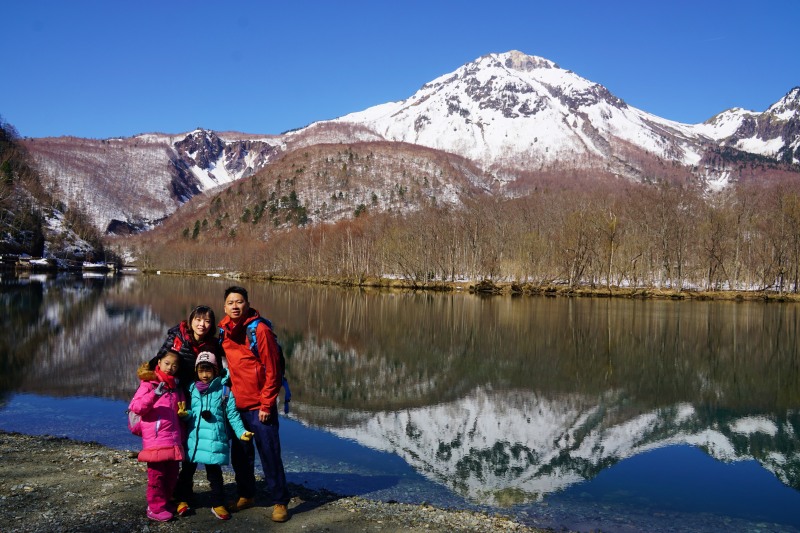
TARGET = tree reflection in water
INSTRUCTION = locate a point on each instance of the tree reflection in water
(504, 400)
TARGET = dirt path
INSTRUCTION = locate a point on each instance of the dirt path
(50, 484)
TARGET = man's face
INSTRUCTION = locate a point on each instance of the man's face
(236, 306)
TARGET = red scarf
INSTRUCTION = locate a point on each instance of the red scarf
(166, 378)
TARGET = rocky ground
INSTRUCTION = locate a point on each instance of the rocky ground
(50, 484)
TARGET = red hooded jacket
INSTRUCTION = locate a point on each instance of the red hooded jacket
(255, 382)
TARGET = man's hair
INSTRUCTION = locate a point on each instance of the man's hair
(237, 290)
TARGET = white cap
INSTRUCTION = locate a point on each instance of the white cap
(207, 358)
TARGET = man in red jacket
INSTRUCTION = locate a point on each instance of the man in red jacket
(256, 376)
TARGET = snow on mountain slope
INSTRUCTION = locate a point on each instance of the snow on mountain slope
(774, 133)
(214, 161)
(725, 124)
(509, 114)
(516, 111)
(510, 109)
(787, 107)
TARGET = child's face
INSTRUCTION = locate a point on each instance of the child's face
(169, 364)
(206, 373)
(200, 326)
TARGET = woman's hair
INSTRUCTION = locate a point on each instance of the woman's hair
(205, 312)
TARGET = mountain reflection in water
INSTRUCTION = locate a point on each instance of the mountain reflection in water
(507, 402)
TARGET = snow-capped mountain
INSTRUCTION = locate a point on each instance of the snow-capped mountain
(775, 133)
(512, 110)
(509, 114)
(214, 161)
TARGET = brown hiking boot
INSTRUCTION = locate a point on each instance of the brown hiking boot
(280, 513)
(241, 504)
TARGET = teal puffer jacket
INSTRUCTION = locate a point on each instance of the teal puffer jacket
(208, 439)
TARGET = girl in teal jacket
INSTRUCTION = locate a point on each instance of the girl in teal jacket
(212, 404)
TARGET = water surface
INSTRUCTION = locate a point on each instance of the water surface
(591, 414)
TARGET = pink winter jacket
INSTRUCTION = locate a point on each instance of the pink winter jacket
(162, 431)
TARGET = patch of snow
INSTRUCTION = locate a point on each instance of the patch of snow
(717, 444)
(755, 145)
(755, 424)
(725, 124)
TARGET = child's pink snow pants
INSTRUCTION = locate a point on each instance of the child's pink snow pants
(161, 479)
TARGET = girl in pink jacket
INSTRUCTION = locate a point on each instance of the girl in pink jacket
(157, 401)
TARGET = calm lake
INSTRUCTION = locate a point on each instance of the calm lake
(590, 414)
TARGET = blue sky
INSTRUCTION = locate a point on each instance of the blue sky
(118, 68)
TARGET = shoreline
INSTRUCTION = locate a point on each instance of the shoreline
(484, 287)
(503, 288)
(58, 484)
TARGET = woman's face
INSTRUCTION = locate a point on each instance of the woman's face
(168, 364)
(201, 325)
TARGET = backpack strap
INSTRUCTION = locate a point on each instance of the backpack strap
(287, 395)
(226, 393)
(251, 336)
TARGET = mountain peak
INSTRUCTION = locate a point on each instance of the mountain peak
(788, 105)
(201, 132)
(514, 59)
(515, 110)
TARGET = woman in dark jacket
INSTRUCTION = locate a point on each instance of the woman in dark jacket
(188, 339)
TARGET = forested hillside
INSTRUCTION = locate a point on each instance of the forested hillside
(570, 229)
(32, 221)
(20, 217)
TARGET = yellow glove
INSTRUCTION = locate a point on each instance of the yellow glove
(246, 436)
(182, 410)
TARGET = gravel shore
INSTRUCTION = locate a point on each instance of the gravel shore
(52, 484)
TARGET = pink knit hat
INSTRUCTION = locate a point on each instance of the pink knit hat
(207, 358)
